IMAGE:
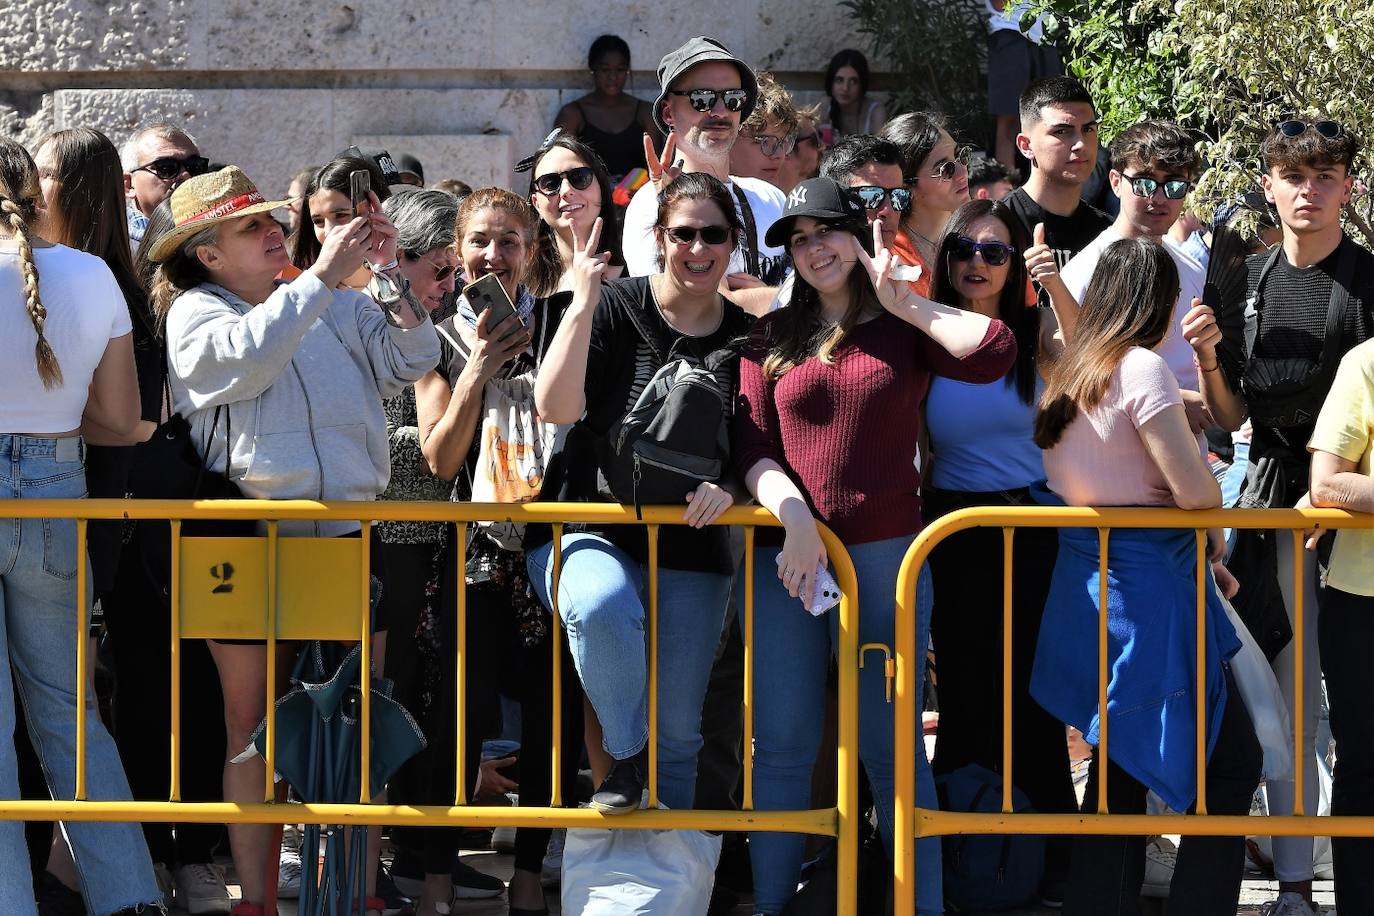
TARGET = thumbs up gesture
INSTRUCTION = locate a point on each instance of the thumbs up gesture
(1040, 261)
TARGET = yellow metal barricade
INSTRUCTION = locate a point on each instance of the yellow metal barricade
(911, 821)
(287, 588)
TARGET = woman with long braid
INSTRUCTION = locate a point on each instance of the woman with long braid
(83, 372)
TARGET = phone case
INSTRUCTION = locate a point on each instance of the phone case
(825, 594)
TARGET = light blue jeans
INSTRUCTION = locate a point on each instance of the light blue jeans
(603, 601)
(38, 562)
(792, 652)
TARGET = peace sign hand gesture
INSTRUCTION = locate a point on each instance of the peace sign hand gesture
(892, 293)
(662, 169)
(588, 267)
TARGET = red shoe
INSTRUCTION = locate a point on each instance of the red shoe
(244, 908)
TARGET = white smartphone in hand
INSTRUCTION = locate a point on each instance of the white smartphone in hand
(825, 594)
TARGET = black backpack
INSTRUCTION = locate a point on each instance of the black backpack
(677, 435)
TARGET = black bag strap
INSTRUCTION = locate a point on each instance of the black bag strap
(751, 233)
(209, 440)
(1253, 307)
(1335, 310)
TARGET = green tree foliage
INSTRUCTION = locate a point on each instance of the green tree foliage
(1229, 69)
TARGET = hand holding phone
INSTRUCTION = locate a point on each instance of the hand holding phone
(825, 593)
(359, 187)
(488, 295)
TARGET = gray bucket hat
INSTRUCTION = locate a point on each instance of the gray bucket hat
(701, 50)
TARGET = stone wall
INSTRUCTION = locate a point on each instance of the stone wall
(470, 86)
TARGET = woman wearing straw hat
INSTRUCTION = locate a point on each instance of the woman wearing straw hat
(300, 370)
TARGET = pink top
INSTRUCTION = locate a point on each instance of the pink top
(1101, 460)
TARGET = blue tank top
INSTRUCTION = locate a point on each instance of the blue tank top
(980, 436)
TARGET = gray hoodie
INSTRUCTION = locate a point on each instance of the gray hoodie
(302, 376)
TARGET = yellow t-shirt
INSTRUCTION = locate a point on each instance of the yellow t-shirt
(1346, 428)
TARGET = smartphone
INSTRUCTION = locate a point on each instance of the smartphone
(488, 293)
(359, 186)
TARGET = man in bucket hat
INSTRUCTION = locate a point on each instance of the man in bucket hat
(705, 95)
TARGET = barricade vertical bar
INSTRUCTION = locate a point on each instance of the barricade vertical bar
(1201, 715)
(847, 792)
(905, 736)
(653, 666)
(1007, 533)
(749, 668)
(82, 637)
(270, 758)
(1102, 672)
(1299, 631)
(174, 791)
(365, 663)
(556, 634)
(460, 791)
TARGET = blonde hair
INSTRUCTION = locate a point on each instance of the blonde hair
(19, 193)
(774, 106)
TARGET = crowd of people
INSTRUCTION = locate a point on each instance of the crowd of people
(706, 299)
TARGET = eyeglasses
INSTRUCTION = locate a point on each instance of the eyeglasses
(872, 197)
(169, 167)
(994, 253)
(1290, 126)
(705, 99)
(687, 235)
(440, 273)
(946, 170)
(772, 146)
(580, 178)
(1144, 186)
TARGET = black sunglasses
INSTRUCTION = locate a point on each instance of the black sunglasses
(872, 197)
(705, 99)
(687, 235)
(580, 178)
(994, 253)
(169, 167)
(1145, 186)
(440, 273)
(1290, 126)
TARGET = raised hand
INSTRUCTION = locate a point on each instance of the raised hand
(1202, 333)
(496, 346)
(1041, 264)
(382, 243)
(588, 267)
(662, 169)
(343, 251)
(892, 293)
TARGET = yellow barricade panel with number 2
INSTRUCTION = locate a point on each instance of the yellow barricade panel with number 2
(223, 588)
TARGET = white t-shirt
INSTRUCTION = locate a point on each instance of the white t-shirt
(1009, 19)
(641, 250)
(1192, 276)
(86, 310)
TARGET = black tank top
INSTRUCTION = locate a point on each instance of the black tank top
(621, 151)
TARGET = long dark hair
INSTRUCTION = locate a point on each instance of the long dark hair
(1129, 303)
(88, 209)
(160, 222)
(546, 264)
(332, 176)
(800, 331)
(1011, 304)
(849, 57)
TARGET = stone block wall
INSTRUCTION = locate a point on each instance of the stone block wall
(469, 86)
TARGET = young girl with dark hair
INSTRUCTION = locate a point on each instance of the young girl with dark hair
(1113, 426)
(569, 189)
(608, 119)
(846, 87)
(820, 385)
(325, 205)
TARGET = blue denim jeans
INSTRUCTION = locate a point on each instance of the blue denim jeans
(38, 563)
(603, 601)
(792, 652)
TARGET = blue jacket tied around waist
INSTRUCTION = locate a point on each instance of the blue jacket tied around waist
(1152, 640)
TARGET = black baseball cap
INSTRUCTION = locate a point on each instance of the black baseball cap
(821, 199)
(408, 163)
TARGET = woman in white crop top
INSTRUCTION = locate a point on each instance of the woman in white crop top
(65, 340)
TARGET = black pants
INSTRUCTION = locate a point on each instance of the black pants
(966, 627)
(138, 618)
(1345, 632)
(1107, 872)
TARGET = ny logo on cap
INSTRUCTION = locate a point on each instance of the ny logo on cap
(797, 197)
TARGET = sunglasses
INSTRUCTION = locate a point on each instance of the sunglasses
(772, 146)
(994, 253)
(687, 235)
(705, 99)
(946, 170)
(169, 167)
(1144, 186)
(872, 197)
(1290, 126)
(440, 273)
(580, 178)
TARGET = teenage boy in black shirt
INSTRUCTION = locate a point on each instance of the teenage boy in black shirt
(1059, 139)
(1291, 292)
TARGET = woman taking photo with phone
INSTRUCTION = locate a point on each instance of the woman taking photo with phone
(328, 202)
(820, 384)
(1114, 431)
(282, 385)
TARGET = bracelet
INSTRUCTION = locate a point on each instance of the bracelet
(384, 268)
(1205, 369)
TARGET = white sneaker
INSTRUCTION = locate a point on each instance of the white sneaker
(289, 874)
(1160, 855)
(503, 839)
(200, 889)
(551, 874)
(1289, 904)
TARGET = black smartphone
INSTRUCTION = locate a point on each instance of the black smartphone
(359, 186)
(488, 293)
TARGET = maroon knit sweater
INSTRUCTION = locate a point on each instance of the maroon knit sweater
(847, 433)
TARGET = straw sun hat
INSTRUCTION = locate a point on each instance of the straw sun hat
(207, 200)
